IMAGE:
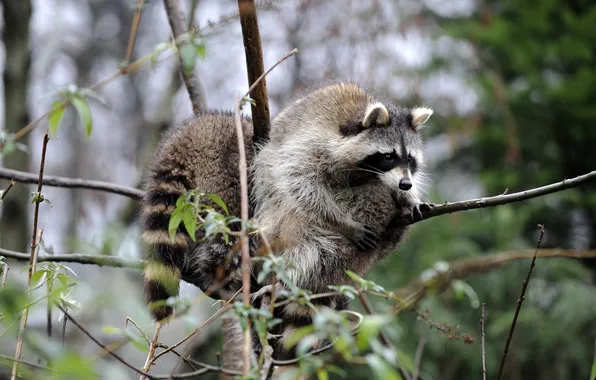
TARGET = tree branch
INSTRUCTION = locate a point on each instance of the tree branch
(255, 67)
(55, 181)
(448, 208)
(191, 80)
(520, 300)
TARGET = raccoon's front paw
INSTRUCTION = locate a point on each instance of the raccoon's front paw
(418, 208)
(364, 237)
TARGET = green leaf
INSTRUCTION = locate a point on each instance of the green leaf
(57, 111)
(369, 329)
(298, 335)
(189, 58)
(217, 199)
(38, 277)
(84, 112)
(190, 222)
(175, 220)
(381, 369)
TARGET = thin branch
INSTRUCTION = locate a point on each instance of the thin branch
(79, 258)
(5, 191)
(133, 30)
(438, 281)
(226, 306)
(268, 71)
(255, 68)
(128, 69)
(418, 358)
(151, 353)
(114, 355)
(178, 25)
(55, 181)
(447, 208)
(482, 344)
(519, 302)
(35, 239)
(3, 275)
(244, 235)
(33, 365)
(436, 209)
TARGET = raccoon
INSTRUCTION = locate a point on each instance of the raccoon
(328, 191)
(341, 169)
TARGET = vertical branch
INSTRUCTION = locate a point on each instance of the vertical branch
(192, 82)
(255, 68)
(152, 346)
(14, 222)
(244, 236)
(133, 30)
(482, 344)
(35, 239)
(3, 275)
(519, 302)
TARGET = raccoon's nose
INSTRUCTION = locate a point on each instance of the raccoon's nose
(405, 184)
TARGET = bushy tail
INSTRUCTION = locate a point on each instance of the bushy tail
(167, 257)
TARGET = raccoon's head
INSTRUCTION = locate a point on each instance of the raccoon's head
(384, 145)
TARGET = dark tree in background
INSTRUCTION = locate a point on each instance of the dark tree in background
(14, 226)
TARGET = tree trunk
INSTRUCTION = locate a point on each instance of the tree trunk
(14, 227)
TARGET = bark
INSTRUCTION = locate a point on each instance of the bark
(14, 223)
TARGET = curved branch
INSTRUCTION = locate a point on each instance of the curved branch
(55, 181)
(439, 281)
(448, 208)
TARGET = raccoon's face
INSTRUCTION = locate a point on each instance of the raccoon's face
(385, 146)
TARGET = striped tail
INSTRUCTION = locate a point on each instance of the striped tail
(167, 258)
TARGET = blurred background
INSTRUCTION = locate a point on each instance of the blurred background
(513, 86)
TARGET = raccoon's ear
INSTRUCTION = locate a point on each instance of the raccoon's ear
(376, 113)
(420, 115)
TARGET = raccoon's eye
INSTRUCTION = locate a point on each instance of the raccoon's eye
(410, 158)
(388, 157)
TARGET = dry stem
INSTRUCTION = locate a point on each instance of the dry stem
(482, 344)
(133, 30)
(152, 346)
(519, 302)
(35, 239)
(10, 185)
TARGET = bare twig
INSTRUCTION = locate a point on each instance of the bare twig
(133, 30)
(152, 346)
(447, 208)
(33, 365)
(114, 355)
(482, 344)
(244, 235)
(55, 181)
(294, 51)
(35, 239)
(3, 275)
(418, 358)
(255, 67)
(128, 69)
(519, 302)
(5, 191)
(79, 258)
(215, 315)
(178, 25)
